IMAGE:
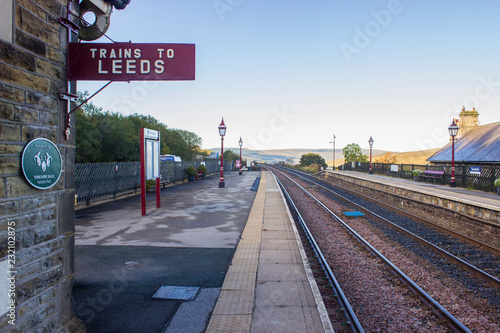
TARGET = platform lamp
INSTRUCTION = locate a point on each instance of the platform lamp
(333, 168)
(222, 132)
(370, 142)
(241, 144)
(453, 130)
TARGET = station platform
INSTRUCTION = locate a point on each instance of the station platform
(231, 257)
(486, 199)
(471, 205)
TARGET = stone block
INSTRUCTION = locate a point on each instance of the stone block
(54, 261)
(69, 255)
(26, 114)
(38, 202)
(11, 93)
(31, 219)
(9, 208)
(48, 118)
(66, 213)
(6, 148)
(16, 57)
(25, 238)
(36, 285)
(56, 56)
(44, 232)
(9, 165)
(32, 268)
(22, 78)
(18, 187)
(30, 132)
(33, 8)
(43, 100)
(10, 132)
(65, 296)
(69, 167)
(38, 252)
(36, 27)
(30, 43)
(49, 69)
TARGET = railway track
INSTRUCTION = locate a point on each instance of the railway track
(439, 311)
(473, 255)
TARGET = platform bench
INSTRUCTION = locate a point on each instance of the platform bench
(432, 174)
(164, 183)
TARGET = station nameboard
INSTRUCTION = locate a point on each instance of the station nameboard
(131, 61)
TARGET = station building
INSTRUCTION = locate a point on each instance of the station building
(475, 144)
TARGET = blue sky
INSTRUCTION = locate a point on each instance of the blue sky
(290, 74)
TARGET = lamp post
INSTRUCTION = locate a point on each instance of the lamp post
(370, 142)
(333, 168)
(241, 144)
(453, 130)
(222, 132)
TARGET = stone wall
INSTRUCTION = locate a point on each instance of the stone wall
(33, 47)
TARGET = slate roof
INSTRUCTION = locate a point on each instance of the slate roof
(479, 145)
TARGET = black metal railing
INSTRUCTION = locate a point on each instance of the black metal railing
(472, 176)
(99, 180)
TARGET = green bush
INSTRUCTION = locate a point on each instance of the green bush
(497, 182)
(191, 171)
(417, 172)
(150, 183)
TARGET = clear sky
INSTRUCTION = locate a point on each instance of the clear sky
(291, 73)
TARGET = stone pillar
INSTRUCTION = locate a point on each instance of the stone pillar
(33, 49)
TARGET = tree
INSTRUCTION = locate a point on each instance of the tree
(388, 158)
(103, 136)
(229, 155)
(310, 158)
(352, 153)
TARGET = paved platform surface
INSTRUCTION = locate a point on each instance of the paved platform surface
(482, 198)
(200, 234)
(122, 258)
(269, 286)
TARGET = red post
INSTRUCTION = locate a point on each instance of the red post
(221, 179)
(452, 182)
(143, 174)
(158, 200)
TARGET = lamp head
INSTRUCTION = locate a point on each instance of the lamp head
(222, 128)
(453, 129)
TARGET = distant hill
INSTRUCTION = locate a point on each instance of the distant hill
(276, 155)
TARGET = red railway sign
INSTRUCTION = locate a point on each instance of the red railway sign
(131, 61)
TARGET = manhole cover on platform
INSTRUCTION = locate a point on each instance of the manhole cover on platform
(175, 292)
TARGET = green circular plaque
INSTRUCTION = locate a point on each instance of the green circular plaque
(41, 163)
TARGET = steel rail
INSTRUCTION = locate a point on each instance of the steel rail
(451, 322)
(352, 320)
(474, 241)
(471, 268)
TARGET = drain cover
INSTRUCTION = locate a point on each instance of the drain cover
(175, 292)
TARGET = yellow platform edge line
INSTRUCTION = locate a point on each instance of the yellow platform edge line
(251, 236)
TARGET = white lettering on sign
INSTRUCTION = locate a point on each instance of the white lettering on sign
(129, 66)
